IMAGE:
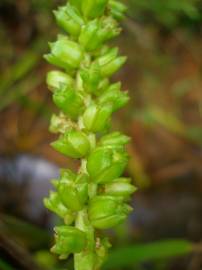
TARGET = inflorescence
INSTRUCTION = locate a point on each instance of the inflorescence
(95, 197)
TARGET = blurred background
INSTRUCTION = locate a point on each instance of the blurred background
(163, 42)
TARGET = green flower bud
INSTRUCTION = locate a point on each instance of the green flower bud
(69, 101)
(114, 96)
(107, 211)
(58, 79)
(104, 83)
(65, 54)
(110, 62)
(92, 80)
(96, 117)
(73, 192)
(69, 19)
(68, 240)
(114, 140)
(54, 204)
(93, 8)
(117, 9)
(96, 32)
(120, 187)
(105, 164)
(73, 144)
(109, 29)
(88, 37)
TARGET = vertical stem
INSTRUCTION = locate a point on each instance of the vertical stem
(86, 259)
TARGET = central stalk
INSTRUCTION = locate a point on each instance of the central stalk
(86, 259)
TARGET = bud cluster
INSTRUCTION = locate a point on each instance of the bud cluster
(96, 196)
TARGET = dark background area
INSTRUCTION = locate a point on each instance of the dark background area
(162, 39)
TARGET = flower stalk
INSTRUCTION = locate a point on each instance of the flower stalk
(95, 197)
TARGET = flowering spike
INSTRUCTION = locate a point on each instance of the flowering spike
(95, 196)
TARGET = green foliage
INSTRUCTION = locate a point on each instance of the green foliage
(27, 234)
(133, 255)
(168, 13)
(4, 265)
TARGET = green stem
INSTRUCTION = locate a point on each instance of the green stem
(86, 259)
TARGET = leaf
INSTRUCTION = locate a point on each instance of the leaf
(28, 234)
(131, 255)
(4, 265)
(19, 70)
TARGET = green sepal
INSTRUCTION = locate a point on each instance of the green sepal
(68, 240)
(69, 19)
(114, 140)
(91, 78)
(108, 29)
(120, 187)
(54, 204)
(117, 9)
(57, 79)
(107, 211)
(88, 37)
(113, 66)
(107, 55)
(93, 82)
(110, 62)
(105, 164)
(93, 8)
(74, 144)
(114, 96)
(96, 32)
(65, 54)
(73, 192)
(96, 118)
(69, 101)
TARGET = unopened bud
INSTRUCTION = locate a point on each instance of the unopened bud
(110, 62)
(73, 192)
(114, 140)
(74, 144)
(114, 96)
(69, 19)
(117, 9)
(68, 240)
(105, 164)
(93, 8)
(107, 211)
(120, 187)
(96, 32)
(58, 79)
(65, 54)
(97, 117)
(69, 101)
(54, 204)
